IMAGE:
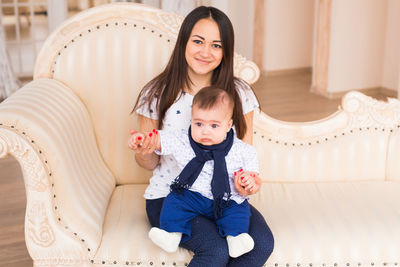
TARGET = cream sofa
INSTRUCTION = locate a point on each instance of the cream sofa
(331, 187)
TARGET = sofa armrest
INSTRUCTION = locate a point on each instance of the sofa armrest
(48, 130)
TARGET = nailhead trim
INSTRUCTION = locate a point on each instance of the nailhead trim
(324, 139)
(335, 264)
(42, 156)
(97, 27)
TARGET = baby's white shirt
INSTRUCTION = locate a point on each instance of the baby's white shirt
(177, 118)
(240, 156)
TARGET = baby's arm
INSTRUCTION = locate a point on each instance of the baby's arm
(247, 181)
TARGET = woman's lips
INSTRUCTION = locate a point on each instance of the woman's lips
(202, 61)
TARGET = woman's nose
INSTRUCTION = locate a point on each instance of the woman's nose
(205, 50)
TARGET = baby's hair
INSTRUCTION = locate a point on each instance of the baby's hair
(211, 96)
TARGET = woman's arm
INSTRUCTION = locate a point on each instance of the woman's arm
(146, 157)
(248, 137)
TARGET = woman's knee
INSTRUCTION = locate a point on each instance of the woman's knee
(263, 237)
(209, 248)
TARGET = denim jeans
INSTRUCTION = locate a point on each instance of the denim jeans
(211, 249)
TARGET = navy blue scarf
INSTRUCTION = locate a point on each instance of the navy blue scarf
(220, 186)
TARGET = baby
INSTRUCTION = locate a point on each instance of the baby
(209, 156)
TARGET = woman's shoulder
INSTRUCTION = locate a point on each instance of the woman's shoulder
(241, 84)
(247, 96)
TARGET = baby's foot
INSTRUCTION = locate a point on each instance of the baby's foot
(239, 245)
(165, 240)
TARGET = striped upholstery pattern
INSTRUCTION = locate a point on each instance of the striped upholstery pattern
(62, 129)
(332, 223)
(320, 152)
(106, 68)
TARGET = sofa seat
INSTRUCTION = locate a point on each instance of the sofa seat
(125, 223)
(332, 223)
(322, 224)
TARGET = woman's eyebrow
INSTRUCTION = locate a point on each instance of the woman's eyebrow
(202, 38)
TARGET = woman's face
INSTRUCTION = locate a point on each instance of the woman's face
(204, 48)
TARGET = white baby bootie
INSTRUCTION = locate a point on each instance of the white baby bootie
(239, 245)
(165, 240)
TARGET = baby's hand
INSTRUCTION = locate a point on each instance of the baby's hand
(136, 140)
(144, 143)
(247, 181)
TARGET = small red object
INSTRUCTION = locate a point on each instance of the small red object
(154, 130)
(241, 177)
(241, 170)
(139, 138)
(235, 173)
(150, 134)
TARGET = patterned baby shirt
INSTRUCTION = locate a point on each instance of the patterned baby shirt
(177, 118)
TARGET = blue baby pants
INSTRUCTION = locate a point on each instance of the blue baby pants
(179, 210)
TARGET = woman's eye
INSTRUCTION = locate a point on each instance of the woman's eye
(197, 41)
(217, 45)
(214, 126)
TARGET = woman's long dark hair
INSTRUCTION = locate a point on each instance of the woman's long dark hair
(169, 84)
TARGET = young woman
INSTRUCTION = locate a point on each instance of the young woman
(203, 56)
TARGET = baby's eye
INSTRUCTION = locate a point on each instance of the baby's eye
(214, 125)
(198, 124)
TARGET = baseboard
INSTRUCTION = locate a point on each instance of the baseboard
(304, 70)
(368, 91)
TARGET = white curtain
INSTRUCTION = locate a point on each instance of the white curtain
(8, 81)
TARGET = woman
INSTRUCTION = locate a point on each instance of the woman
(203, 56)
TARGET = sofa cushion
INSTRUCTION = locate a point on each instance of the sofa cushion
(317, 223)
(328, 223)
(125, 231)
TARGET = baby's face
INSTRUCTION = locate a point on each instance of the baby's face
(209, 126)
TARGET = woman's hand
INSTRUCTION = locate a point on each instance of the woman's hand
(144, 143)
(247, 183)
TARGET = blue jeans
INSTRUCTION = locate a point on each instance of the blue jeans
(211, 250)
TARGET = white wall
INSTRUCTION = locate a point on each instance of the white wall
(241, 14)
(288, 34)
(391, 65)
(357, 44)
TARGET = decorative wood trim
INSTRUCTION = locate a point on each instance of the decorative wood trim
(258, 34)
(322, 47)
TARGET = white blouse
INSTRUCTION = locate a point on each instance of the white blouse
(177, 118)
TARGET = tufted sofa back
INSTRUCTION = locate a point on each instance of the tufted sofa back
(357, 143)
(106, 55)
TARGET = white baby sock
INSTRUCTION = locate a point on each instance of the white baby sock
(239, 245)
(165, 240)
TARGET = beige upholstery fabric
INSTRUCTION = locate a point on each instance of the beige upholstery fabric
(337, 150)
(328, 223)
(317, 223)
(393, 157)
(125, 233)
(54, 119)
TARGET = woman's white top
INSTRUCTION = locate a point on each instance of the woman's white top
(240, 156)
(177, 118)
